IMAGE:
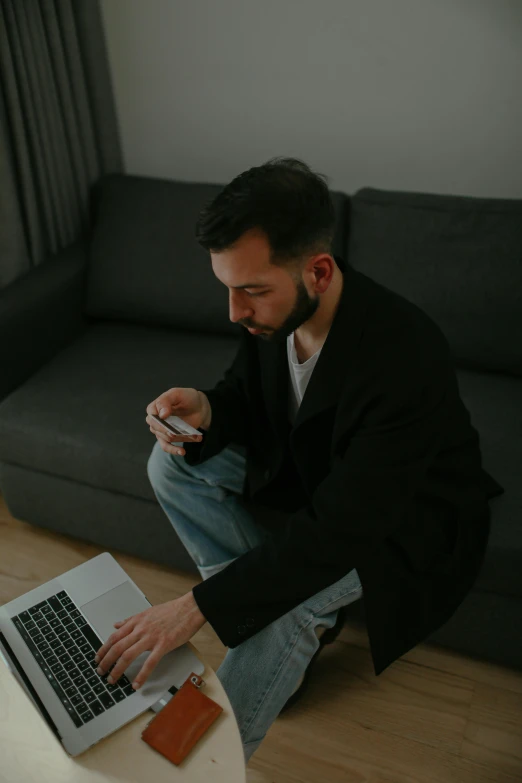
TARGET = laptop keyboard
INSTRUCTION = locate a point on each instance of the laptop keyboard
(64, 645)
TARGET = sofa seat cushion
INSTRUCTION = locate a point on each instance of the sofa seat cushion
(494, 402)
(82, 416)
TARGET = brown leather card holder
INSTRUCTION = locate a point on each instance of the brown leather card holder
(183, 721)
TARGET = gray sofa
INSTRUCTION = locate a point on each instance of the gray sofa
(131, 309)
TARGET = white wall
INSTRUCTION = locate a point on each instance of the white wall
(420, 95)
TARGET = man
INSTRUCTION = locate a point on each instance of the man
(344, 397)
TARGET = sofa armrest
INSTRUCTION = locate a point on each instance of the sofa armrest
(40, 313)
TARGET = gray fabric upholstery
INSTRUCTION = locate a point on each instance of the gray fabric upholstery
(40, 313)
(458, 258)
(145, 264)
(113, 520)
(494, 402)
(82, 416)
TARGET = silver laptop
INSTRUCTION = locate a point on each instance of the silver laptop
(50, 635)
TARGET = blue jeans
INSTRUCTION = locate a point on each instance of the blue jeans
(261, 673)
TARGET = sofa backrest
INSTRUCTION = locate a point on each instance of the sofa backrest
(458, 258)
(145, 265)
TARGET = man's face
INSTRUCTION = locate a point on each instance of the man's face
(278, 306)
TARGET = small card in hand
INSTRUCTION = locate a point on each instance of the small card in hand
(183, 721)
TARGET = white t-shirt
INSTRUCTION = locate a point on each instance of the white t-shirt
(299, 376)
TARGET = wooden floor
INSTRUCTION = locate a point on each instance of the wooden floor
(431, 717)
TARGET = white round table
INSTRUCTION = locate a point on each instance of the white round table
(31, 753)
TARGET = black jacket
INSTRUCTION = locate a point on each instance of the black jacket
(382, 471)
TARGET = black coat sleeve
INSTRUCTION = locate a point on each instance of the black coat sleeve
(362, 499)
(231, 410)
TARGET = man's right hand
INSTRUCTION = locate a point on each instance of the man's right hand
(190, 405)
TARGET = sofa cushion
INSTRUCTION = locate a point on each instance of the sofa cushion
(494, 403)
(457, 257)
(145, 265)
(82, 416)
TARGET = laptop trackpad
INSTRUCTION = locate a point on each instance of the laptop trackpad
(119, 603)
(122, 602)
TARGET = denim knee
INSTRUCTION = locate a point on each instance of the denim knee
(160, 464)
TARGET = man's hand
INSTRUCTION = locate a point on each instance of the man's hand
(160, 629)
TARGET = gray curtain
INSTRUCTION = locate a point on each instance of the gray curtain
(58, 126)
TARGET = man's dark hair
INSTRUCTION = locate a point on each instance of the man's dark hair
(285, 199)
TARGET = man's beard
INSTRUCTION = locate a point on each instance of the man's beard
(304, 308)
